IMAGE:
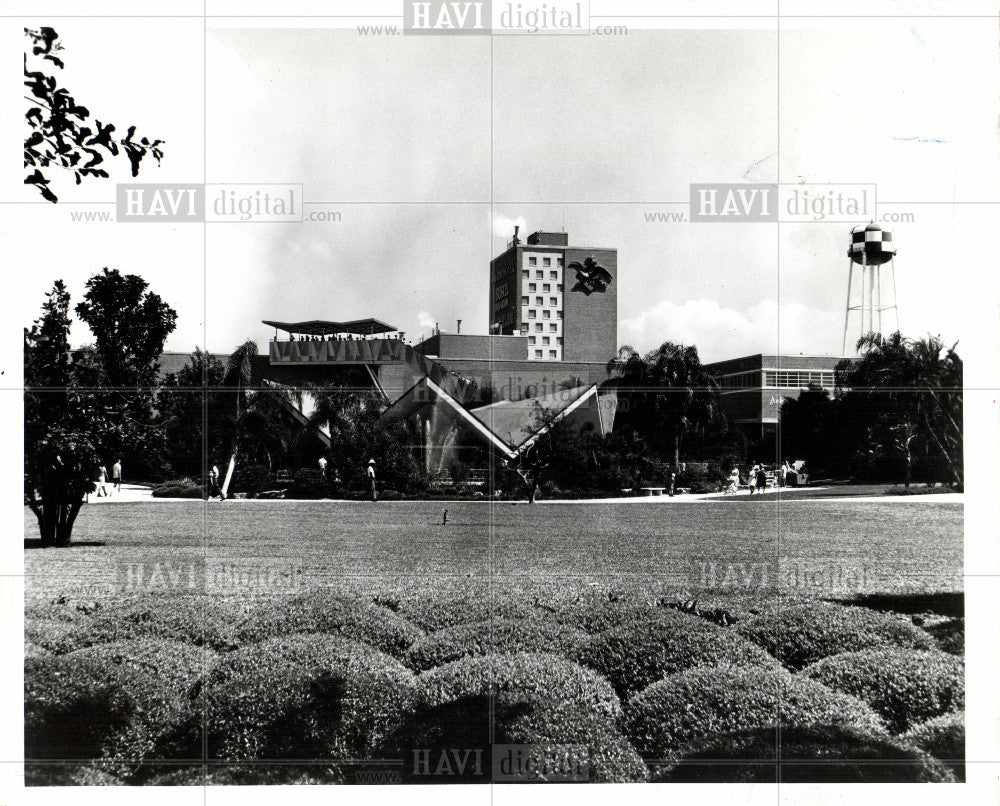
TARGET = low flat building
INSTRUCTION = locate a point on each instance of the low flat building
(754, 386)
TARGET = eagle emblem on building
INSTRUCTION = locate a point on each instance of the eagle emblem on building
(590, 276)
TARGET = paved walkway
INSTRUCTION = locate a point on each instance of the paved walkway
(129, 493)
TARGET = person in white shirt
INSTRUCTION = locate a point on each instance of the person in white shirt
(371, 479)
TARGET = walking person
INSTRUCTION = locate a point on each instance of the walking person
(752, 478)
(213, 482)
(322, 465)
(371, 479)
(116, 475)
(102, 481)
(761, 479)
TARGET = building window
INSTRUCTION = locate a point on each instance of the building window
(531, 313)
(524, 328)
(538, 328)
(526, 274)
(558, 339)
(538, 353)
(531, 339)
(524, 301)
(559, 261)
(545, 339)
(531, 286)
(539, 302)
(532, 261)
(546, 288)
(553, 354)
(560, 313)
(553, 301)
(546, 261)
(539, 274)
(546, 314)
(559, 287)
(553, 275)
(553, 327)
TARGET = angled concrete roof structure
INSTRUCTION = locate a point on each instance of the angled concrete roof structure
(322, 327)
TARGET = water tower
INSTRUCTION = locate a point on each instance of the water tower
(874, 292)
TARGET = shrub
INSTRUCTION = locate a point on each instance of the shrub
(800, 633)
(683, 709)
(492, 636)
(305, 697)
(52, 774)
(195, 620)
(636, 654)
(535, 698)
(251, 479)
(309, 483)
(905, 686)
(179, 488)
(432, 609)
(326, 612)
(949, 635)
(126, 702)
(597, 611)
(814, 754)
(944, 738)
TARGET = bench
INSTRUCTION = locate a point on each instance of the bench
(651, 491)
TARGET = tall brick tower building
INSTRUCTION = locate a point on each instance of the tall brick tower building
(566, 315)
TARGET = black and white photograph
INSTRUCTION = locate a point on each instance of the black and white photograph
(427, 393)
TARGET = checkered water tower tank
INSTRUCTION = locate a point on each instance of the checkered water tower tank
(871, 245)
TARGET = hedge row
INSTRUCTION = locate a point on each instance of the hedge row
(809, 755)
(304, 697)
(225, 624)
(802, 632)
(121, 701)
(500, 636)
(527, 698)
(944, 738)
(905, 686)
(638, 653)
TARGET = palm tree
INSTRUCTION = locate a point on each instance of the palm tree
(914, 389)
(669, 393)
(238, 374)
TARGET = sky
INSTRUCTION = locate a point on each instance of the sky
(430, 155)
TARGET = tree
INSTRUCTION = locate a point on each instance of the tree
(903, 396)
(807, 428)
(57, 134)
(72, 421)
(191, 416)
(358, 433)
(237, 377)
(667, 395)
(130, 326)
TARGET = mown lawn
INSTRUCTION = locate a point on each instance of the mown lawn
(887, 546)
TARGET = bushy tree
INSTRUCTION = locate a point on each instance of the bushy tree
(667, 395)
(902, 407)
(72, 420)
(191, 414)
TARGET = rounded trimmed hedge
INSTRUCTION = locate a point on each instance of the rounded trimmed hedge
(944, 738)
(126, 701)
(227, 623)
(683, 709)
(492, 636)
(905, 686)
(472, 603)
(636, 654)
(529, 698)
(802, 632)
(826, 754)
(307, 696)
(328, 613)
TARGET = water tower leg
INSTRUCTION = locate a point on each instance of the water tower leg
(847, 308)
(878, 292)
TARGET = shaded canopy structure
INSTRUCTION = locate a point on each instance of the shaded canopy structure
(508, 426)
(322, 327)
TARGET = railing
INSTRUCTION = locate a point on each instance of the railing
(339, 351)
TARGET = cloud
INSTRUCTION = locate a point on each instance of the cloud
(721, 333)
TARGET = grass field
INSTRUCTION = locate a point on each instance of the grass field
(277, 642)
